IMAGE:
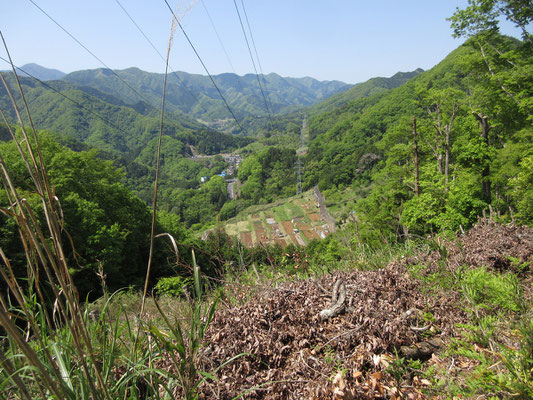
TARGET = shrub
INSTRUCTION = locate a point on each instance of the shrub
(172, 286)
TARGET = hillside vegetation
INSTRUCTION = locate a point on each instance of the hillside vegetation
(195, 95)
(419, 287)
(437, 151)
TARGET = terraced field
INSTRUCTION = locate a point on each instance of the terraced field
(296, 220)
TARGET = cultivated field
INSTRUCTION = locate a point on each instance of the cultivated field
(296, 220)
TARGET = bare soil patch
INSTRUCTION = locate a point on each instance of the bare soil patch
(311, 234)
(303, 226)
(314, 217)
(288, 227)
(246, 238)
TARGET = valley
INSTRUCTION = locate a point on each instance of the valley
(182, 235)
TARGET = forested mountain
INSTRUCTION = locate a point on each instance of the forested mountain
(40, 72)
(289, 123)
(94, 118)
(437, 151)
(125, 134)
(365, 89)
(196, 96)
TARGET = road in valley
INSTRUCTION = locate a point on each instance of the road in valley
(324, 213)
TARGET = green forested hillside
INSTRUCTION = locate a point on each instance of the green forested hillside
(93, 118)
(127, 135)
(473, 139)
(287, 124)
(365, 89)
(196, 96)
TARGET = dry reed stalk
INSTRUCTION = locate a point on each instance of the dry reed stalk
(44, 252)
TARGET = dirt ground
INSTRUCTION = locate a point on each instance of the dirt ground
(246, 238)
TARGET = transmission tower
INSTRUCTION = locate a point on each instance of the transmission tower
(299, 162)
(299, 166)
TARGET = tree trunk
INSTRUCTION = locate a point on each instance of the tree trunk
(447, 157)
(415, 144)
(440, 163)
(485, 129)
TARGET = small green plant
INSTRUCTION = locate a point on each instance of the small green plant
(487, 289)
(519, 362)
(482, 331)
(330, 358)
(184, 340)
(172, 286)
(398, 369)
(518, 265)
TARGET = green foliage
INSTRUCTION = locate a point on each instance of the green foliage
(268, 175)
(172, 286)
(183, 342)
(519, 362)
(463, 168)
(228, 210)
(328, 252)
(398, 369)
(422, 214)
(522, 190)
(482, 331)
(200, 206)
(105, 221)
(486, 289)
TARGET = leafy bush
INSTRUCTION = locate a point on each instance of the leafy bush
(522, 191)
(489, 289)
(172, 286)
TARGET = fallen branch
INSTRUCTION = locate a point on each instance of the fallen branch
(420, 329)
(338, 300)
(422, 350)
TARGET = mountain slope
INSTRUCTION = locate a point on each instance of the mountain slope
(365, 89)
(42, 73)
(292, 121)
(109, 125)
(196, 96)
(471, 139)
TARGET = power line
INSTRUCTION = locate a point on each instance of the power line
(256, 53)
(203, 65)
(181, 82)
(253, 63)
(107, 121)
(220, 40)
(91, 53)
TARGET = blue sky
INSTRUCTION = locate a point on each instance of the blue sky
(346, 40)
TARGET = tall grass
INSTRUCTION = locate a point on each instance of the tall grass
(31, 328)
(51, 347)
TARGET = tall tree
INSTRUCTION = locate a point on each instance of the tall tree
(416, 159)
(508, 63)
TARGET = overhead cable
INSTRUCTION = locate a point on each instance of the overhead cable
(92, 54)
(256, 53)
(203, 65)
(181, 82)
(220, 41)
(253, 63)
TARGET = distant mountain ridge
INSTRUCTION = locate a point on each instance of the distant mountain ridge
(366, 89)
(196, 96)
(132, 99)
(40, 72)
